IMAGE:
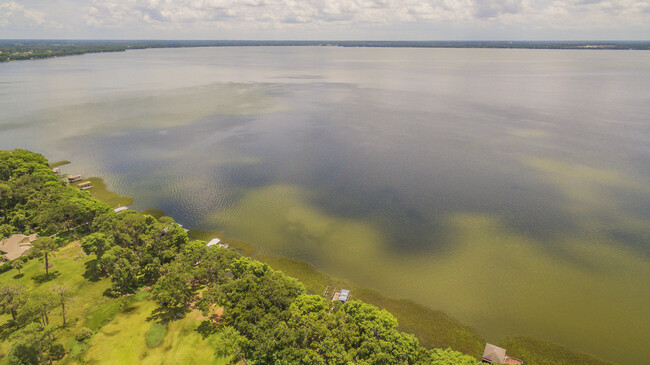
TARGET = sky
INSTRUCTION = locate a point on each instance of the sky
(327, 19)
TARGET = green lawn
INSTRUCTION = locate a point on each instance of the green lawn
(120, 324)
(123, 340)
(68, 266)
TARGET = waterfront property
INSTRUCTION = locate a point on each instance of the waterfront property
(85, 185)
(342, 295)
(56, 171)
(120, 209)
(216, 241)
(73, 178)
(497, 355)
(16, 246)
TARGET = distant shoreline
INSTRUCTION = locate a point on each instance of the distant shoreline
(30, 49)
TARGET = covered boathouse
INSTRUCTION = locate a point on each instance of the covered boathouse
(497, 355)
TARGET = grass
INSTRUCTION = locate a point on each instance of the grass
(533, 351)
(101, 192)
(103, 313)
(59, 163)
(156, 333)
(68, 265)
(124, 340)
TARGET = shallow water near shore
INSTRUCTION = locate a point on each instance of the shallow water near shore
(509, 188)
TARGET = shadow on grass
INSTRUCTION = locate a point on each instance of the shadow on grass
(93, 273)
(6, 330)
(18, 276)
(44, 278)
(165, 315)
(207, 328)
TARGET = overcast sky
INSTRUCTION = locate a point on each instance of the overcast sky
(327, 19)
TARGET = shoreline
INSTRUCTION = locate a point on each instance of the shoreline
(35, 49)
(433, 328)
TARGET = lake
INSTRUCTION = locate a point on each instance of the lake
(509, 188)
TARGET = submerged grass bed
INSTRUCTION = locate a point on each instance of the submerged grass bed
(59, 163)
(533, 351)
(101, 192)
(433, 328)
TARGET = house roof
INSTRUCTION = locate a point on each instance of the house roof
(494, 353)
(344, 295)
(120, 209)
(213, 242)
(16, 245)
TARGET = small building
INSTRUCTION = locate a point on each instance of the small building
(73, 178)
(85, 185)
(56, 171)
(497, 355)
(16, 246)
(120, 209)
(184, 229)
(216, 241)
(344, 295)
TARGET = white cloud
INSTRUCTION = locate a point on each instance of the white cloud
(261, 18)
(14, 14)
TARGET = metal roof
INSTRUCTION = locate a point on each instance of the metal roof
(213, 242)
(344, 295)
(494, 353)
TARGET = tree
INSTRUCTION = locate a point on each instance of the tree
(23, 354)
(449, 357)
(231, 342)
(174, 293)
(37, 307)
(44, 247)
(12, 297)
(17, 264)
(63, 293)
(34, 337)
(125, 277)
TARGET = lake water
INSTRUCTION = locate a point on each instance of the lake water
(509, 188)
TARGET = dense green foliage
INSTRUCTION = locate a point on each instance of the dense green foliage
(33, 199)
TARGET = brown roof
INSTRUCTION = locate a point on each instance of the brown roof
(16, 245)
(494, 354)
(85, 183)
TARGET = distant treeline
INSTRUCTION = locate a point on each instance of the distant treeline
(33, 49)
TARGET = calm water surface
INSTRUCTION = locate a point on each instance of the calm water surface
(510, 188)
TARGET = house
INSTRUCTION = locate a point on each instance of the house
(120, 209)
(344, 295)
(497, 355)
(215, 241)
(73, 178)
(56, 171)
(85, 185)
(16, 246)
